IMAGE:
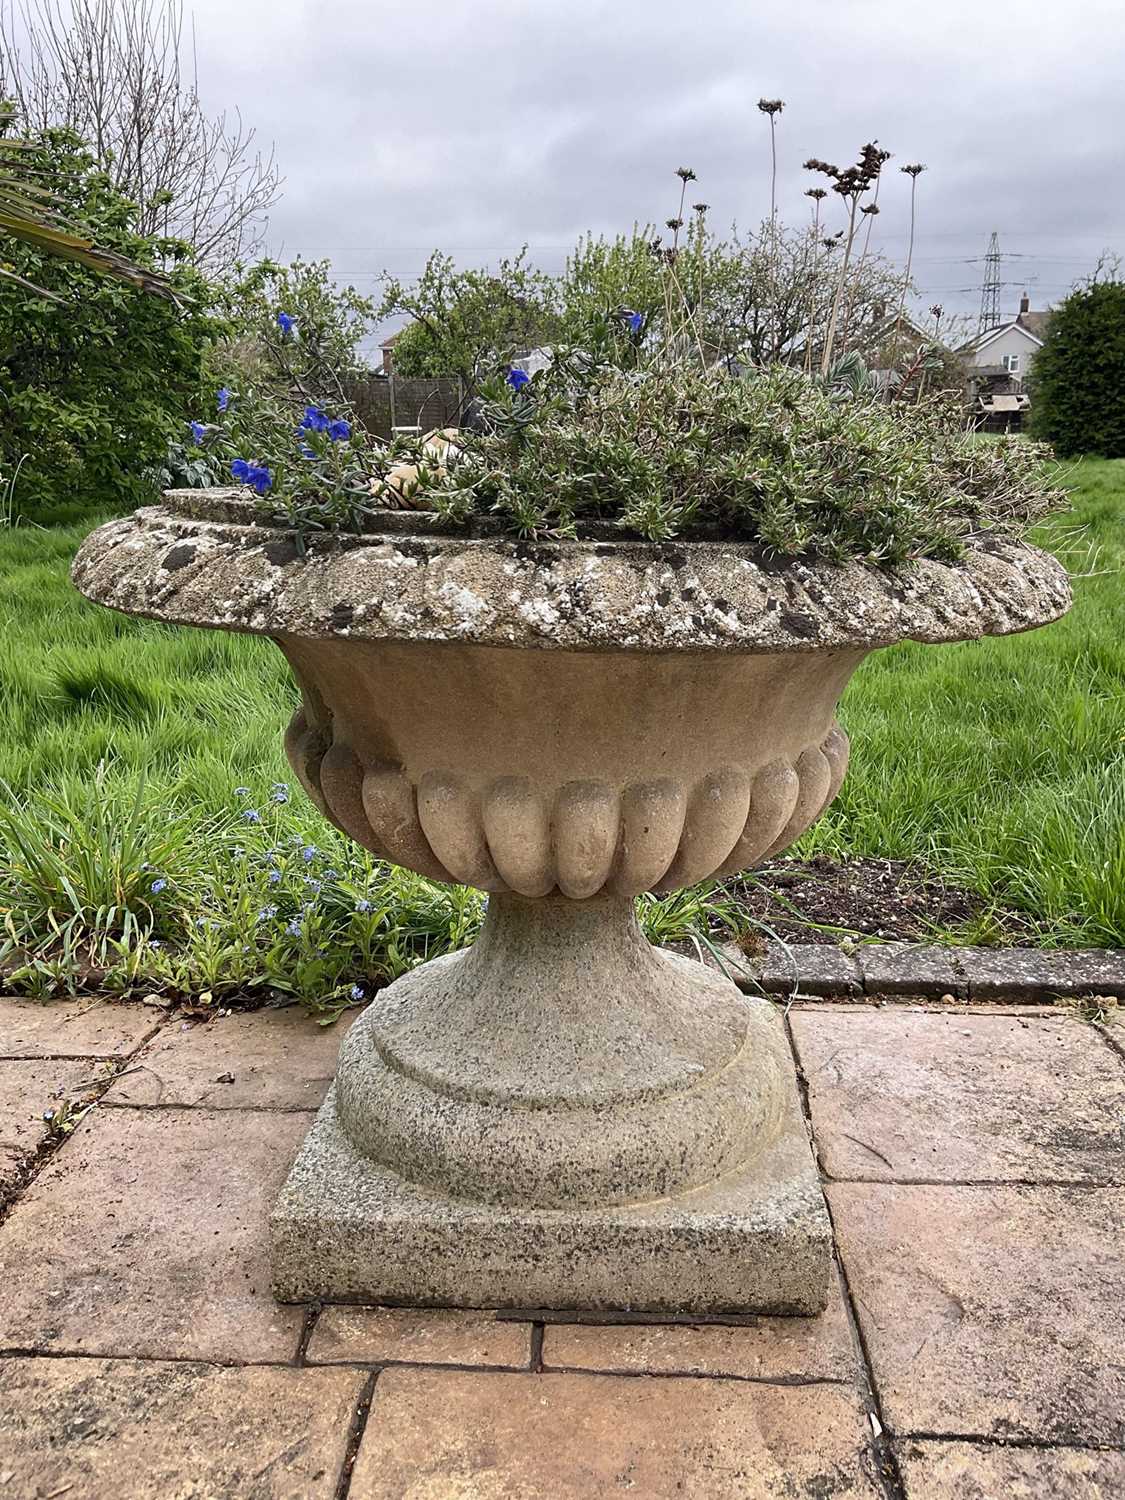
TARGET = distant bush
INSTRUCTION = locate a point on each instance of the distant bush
(1078, 380)
(91, 383)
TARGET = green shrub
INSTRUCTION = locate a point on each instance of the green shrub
(659, 447)
(91, 386)
(1078, 379)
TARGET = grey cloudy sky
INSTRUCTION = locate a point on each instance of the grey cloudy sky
(474, 127)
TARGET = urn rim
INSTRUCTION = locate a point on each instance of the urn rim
(205, 558)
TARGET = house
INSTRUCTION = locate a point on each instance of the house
(387, 347)
(999, 361)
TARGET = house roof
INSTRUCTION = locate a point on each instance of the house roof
(1035, 322)
(884, 328)
(982, 340)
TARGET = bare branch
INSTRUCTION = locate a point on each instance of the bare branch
(112, 70)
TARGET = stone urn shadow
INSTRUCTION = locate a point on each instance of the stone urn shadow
(561, 1116)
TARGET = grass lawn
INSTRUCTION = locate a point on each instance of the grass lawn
(1000, 764)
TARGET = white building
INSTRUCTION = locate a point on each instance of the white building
(1000, 359)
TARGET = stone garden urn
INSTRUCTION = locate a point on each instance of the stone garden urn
(562, 1116)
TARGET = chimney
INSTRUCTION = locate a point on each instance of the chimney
(1025, 303)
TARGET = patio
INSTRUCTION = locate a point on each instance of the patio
(971, 1154)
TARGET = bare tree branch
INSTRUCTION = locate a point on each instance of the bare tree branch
(112, 70)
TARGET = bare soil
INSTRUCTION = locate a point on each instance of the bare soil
(819, 901)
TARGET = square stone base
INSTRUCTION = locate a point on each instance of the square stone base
(758, 1241)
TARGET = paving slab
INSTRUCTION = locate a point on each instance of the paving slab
(985, 1471)
(822, 969)
(990, 1312)
(1020, 973)
(940, 1096)
(145, 1235)
(384, 1335)
(27, 1089)
(909, 969)
(93, 1429)
(813, 968)
(261, 1059)
(818, 1348)
(584, 1437)
(73, 1028)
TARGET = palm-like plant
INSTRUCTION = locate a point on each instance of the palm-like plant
(28, 213)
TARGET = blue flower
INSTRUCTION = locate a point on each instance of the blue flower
(257, 476)
(285, 323)
(517, 379)
(158, 886)
(251, 815)
(339, 431)
(294, 928)
(223, 399)
(636, 321)
(274, 877)
(307, 452)
(314, 420)
(363, 906)
(280, 792)
(242, 791)
(356, 991)
(199, 431)
(309, 853)
(155, 943)
(267, 914)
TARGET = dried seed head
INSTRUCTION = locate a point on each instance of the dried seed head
(700, 208)
(771, 107)
(685, 174)
(869, 208)
(674, 223)
(912, 169)
(817, 193)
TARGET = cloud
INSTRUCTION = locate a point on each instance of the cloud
(475, 127)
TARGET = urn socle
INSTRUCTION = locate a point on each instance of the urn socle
(561, 1116)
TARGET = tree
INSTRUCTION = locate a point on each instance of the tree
(1078, 378)
(94, 374)
(466, 322)
(761, 299)
(112, 71)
